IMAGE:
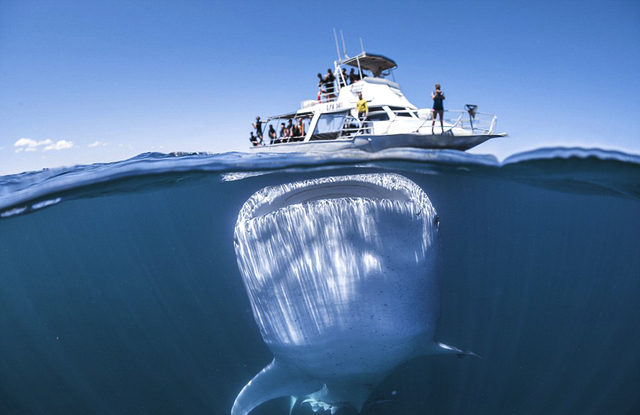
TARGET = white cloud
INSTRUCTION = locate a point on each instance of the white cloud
(28, 144)
(97, 144)
(59, 145)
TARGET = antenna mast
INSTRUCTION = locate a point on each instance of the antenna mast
(335, 36)
(344, 46)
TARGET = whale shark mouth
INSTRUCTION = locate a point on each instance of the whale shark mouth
(381, 187)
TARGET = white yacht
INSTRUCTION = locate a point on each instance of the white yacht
(330, 122)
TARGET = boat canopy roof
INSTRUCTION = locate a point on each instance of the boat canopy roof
(368, 61)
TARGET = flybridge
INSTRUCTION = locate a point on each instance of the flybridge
(378, 65)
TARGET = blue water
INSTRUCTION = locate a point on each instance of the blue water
(120, 293)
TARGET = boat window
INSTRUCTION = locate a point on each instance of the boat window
(377, 114)
(401, 112)
(329, 126)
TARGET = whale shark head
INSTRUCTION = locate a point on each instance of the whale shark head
(343, 275)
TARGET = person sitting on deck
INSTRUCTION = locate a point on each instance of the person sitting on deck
(254, 139)
(282, 137)
(272, 134)
(295, 132)
(290, 129)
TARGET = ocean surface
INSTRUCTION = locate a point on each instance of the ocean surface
(120, 291)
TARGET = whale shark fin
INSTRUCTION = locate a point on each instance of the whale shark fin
(274, 381)
(445, 348)
(292, 404)
(296, 402)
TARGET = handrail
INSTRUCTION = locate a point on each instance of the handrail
(352, 126)
(324, 96)
(482, 123)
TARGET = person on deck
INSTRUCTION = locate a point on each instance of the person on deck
(363, 108)
(258, 126)
(254, 139)
(321, 92)
(290, 128)
(344, 78)
(438, 107)
(353, 78)
(329, 80)
(272, 135)
(282, 137)
(295, 131)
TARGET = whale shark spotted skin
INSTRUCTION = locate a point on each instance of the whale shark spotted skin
(343, 275)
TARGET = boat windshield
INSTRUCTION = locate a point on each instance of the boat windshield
(377, 114)
(329, 125)
(402, 112)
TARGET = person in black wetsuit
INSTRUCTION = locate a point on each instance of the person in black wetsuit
(321, 91)
(344, 78)
(283, 136)
(329, 79)
(353, 78)
(254, 139)
(272, 135)
(258, 126)
(438, 107)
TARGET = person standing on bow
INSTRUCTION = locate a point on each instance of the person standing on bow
(438, 107)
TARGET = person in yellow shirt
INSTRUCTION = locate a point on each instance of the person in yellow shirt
(363, 108)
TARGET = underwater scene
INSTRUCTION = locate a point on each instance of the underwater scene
(399, 282)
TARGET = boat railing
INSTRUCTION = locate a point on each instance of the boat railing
(353, 126)
(417, 121)
(477, 122)
(473, 121)
(324, 96)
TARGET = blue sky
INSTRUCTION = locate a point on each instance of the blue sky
(96, 81)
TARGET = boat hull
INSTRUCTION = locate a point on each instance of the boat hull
(374, 143)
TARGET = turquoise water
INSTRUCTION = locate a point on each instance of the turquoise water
(120, 292)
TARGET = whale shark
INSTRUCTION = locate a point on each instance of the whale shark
(343, 275)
